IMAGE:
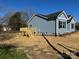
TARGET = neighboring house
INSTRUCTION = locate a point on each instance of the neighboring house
(5, 27)
(52, 24)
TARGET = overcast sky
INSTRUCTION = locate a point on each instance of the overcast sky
(41, 6)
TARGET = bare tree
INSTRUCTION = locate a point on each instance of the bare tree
(15, 21)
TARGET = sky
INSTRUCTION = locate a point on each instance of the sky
(40, 6)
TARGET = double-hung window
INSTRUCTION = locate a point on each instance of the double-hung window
(72, 26)
(62, 24)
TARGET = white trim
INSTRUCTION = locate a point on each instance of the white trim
(74, 19)
(66, 26)
(63, 12)
(31, 18)
(57, 27)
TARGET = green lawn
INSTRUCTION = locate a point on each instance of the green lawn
(9, 52)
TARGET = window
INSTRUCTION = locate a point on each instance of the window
(60, 24)
(64, 24)
(72, 26)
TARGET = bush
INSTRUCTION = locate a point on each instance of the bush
(10, 52)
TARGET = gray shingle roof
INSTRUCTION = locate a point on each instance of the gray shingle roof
(68, 21)
(53, 16)
(49, 17)
(41, 16)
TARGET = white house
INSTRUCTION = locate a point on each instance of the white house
(5, 27)
(52, 24)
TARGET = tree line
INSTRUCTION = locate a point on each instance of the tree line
(15, 21)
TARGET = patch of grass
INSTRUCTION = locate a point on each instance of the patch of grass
(10, 52)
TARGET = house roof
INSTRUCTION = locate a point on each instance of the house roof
(68, 21)
(41, 16)
(53, 16)
(49, 17)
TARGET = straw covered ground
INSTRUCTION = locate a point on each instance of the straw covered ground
(36, 47)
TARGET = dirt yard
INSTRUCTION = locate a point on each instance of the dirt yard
(36, 47)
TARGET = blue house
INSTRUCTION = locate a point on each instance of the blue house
(52, 24)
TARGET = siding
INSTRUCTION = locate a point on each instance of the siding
(68, 27)
(72, 22)
(42, 25)
(72, 30)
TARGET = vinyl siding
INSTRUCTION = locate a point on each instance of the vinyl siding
(68, 27)
(42, 25)
(72, 22)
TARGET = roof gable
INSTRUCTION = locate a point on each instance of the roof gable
(68, 21)
(71, 19)
(62, 15)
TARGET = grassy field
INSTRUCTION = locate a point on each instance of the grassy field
(10, 52)
(36, 47)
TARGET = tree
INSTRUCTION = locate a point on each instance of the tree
(15, 22)
(1, 27)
